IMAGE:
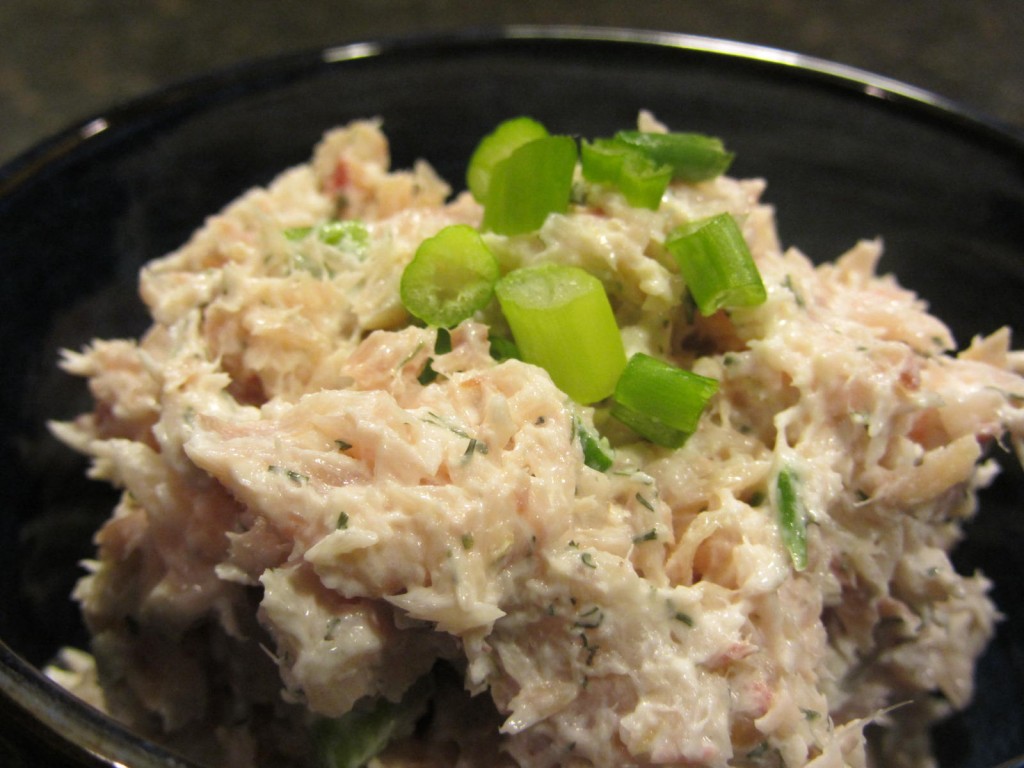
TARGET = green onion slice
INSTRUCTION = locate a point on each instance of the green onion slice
(361, 734)
(661, 401)
(716, 264)
(792, 517)
(451, 276)
(597, 451)
(503, 349)
(640, 180)
(495, 147)
(297, 233)
(533, 181)
(693, 157)
(348, 235)
(561, 320)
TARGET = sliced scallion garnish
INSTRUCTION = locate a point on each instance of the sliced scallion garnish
(451, 276)
(661, 401)
(693, 157)
(495, 147)
(561, 320)
(503, 349)
(597, 451)
(640, 180)
(792, 516)
(356, 737)
(535, 180)
(346, 234)
(716, 264)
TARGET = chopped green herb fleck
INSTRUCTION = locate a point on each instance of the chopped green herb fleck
(440, 421)
(651, 535)
(759, 750)
(788, 282)
(405, 360)
(442, 346)
(644, 502)
(591, 649)
(475, 446)
(332, 625)
(296, 477)
(685, 618)
(588, 560)
(342, 521)
(467, 541)
(591, 619)
(343, 445)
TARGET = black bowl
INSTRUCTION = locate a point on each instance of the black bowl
(847, 155)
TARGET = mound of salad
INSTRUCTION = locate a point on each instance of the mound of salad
(577, 467)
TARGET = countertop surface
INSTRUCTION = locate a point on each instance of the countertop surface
(63, 61)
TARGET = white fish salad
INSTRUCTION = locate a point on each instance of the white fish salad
(347, 536)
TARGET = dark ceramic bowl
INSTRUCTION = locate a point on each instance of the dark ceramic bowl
(847, 156)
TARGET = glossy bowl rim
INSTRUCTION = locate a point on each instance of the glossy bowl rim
(85, 733)
(927, 103)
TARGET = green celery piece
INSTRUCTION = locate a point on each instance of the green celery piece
(716, 264)
(533, 181)
(451, 276)
(693, 157)
(561, 320)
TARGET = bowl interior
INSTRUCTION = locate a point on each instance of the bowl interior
(844, 159)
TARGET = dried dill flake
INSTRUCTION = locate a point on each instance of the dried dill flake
(296, 477)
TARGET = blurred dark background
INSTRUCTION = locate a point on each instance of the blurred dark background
(62, 61)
